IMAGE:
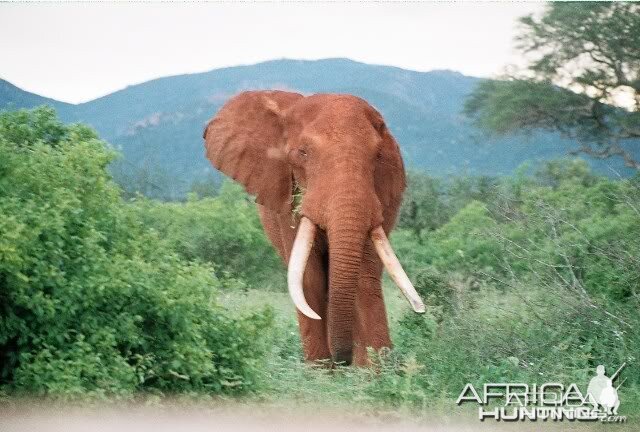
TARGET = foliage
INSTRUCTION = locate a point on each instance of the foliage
(148, 179)
(430, 202)
(223, 231)
(93, 302)
(422, 209)
(207, 187)
(564, 225)
(526, 334)
(544, 269)
(582, 79)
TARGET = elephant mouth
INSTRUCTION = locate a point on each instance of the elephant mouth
(302, 246)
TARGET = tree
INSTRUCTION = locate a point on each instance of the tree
(423, 206)
(582, 79)
(206, 187)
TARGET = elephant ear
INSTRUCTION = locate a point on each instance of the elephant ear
(389, 172)
(244, 141)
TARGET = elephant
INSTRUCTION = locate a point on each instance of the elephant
(328, 179)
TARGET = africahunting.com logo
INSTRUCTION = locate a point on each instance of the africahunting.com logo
(552, 401)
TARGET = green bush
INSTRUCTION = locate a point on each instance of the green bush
(564, 225)
(224, 231)
(92, 302)
(536, 282)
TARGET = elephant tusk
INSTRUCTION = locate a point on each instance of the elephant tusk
(393, 266)
(297, 262)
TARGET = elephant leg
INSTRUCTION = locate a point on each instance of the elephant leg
(372, 329)
(313, 333)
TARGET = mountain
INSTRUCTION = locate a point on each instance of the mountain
(12, 97)
(158, 124)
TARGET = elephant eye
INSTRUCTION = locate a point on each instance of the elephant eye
(303, 152)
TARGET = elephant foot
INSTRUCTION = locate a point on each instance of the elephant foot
(342, 358)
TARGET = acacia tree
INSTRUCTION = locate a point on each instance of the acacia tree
(582, 79)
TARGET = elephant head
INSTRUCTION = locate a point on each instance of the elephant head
(338, 150)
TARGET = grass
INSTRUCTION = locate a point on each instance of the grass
(286, 378)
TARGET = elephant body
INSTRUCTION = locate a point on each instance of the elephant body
(337, 153)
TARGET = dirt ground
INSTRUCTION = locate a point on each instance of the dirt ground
(44, 418)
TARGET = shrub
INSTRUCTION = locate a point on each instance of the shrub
(92, 302)
(538, 283)
(223, 231)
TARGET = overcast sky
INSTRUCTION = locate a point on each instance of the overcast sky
(79, 51)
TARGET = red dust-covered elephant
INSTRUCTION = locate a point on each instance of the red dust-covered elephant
(328, 180)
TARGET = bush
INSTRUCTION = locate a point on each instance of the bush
(224, 231)
(563, 226)
(536, 283)
(92, 302)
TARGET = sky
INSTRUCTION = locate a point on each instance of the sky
(75, 52)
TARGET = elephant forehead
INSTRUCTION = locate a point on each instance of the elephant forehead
(337, 129)
(340, 110)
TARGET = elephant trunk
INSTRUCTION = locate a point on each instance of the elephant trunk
(346, 234)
